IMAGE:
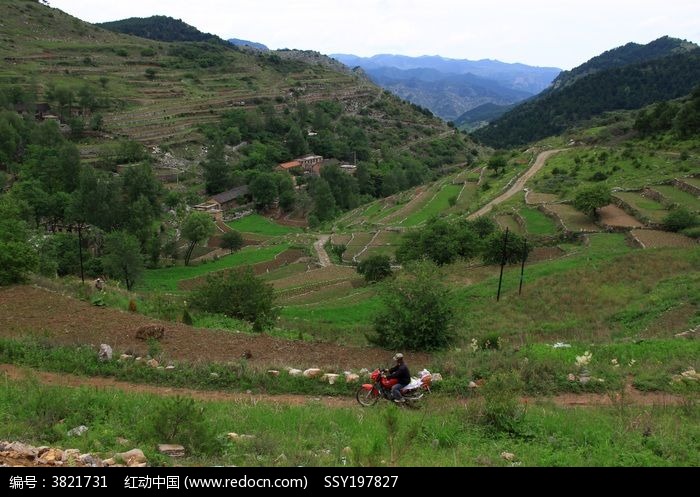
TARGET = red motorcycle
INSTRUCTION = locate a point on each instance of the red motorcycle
(380, 388)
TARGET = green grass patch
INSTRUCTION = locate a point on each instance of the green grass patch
(537, 222)
(437, 204)
(166, 279)
(260, 225)
(676, 196)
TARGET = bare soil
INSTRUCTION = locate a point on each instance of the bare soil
(613, 216)
(62, 320)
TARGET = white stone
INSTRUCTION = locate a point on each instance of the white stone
(105, 353)
(312, 373)
(295, 372)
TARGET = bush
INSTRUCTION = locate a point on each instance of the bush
(502, 411)
(680, 219)
(375, 268)
(417, 313)
(180, 420)
(237, 294)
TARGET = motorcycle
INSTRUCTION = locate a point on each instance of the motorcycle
(369, 393)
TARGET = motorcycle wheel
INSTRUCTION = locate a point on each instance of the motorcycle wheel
(367, 398)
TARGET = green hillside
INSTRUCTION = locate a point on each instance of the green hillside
(594, 89)
(160, 28)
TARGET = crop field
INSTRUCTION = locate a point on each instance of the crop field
(662, 239)
(648, 208)
(260, 225)
(508, 221)
(533, 198)
(574, 220)
(675, 196)
(166, 279)
(326, 274)
(357, 244)
(613, 216)
(692, 181)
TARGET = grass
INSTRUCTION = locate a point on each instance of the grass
(537, 223)
(440, 435)
(260, 225)
(676, 196)
(436, 205)
(166, 279)
(647, 207)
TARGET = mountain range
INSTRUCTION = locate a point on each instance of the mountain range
(451, 87)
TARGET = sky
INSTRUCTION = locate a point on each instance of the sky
(548, 33)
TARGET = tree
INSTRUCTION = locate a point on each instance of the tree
(238, 294)
(264, 190)
(123, 259)
(589, 200)
(216, 171)
(493, 248)
(197, 227)
(17, 257)
(232, 240)
(375, 268)
(417, 312)
(498, 162)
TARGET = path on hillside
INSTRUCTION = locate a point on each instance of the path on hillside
(323, 258)
(16, 373)
(519, 184)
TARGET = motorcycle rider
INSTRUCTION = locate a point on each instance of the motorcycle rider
(401, 373)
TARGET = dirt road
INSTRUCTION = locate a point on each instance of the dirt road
(15, 373)
(519, 184)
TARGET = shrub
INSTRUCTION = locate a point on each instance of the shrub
(375, 268)
(502, 411)
(238, 294)
(680, 219)
(180, 420)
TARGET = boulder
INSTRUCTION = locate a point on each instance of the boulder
(171, 450)
(330, 377)
(295, 372)
(105, 353)
(312, 373)
(77, 431)
(132, 457)
(91, 461)
(155, 331)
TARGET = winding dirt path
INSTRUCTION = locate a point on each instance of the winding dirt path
(14, 373)
(519, 184)
(323, 258)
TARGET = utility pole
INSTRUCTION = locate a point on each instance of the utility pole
(522, 269)
(503, 264)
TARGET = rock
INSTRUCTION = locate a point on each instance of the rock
(125, 357)
(571, 377)
(273, 372)
(71, 456)
(295, 372)
(330, 378)
(364, 371)
(155, 331)
(138, 359)
(109, 462)
(352, 378)
(105, 353)
(437, 377)
(169, 367)
(472, 385)
(51, 457)
(584, 379)
(91, 461)
(239, 437)
(347, 451)
(214, 375)
(132, 457)
(152, 363)
(20, 448)
(77, 431)
(508, 456)
(312, 373)
(171, 450)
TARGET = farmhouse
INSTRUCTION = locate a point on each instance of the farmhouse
(221, 202)
(309, 164)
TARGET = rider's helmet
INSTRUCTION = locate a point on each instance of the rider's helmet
(398, 356)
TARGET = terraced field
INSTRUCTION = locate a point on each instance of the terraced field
(662, 239)
(537, 223)
(679, 197)
(647, 208)
(574, 220)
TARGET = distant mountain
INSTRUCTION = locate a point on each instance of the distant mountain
(627, 78)
(246, 43)
(481, 116)
(451, 87)
(161, 28)
(515, 76)
(446, 95)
